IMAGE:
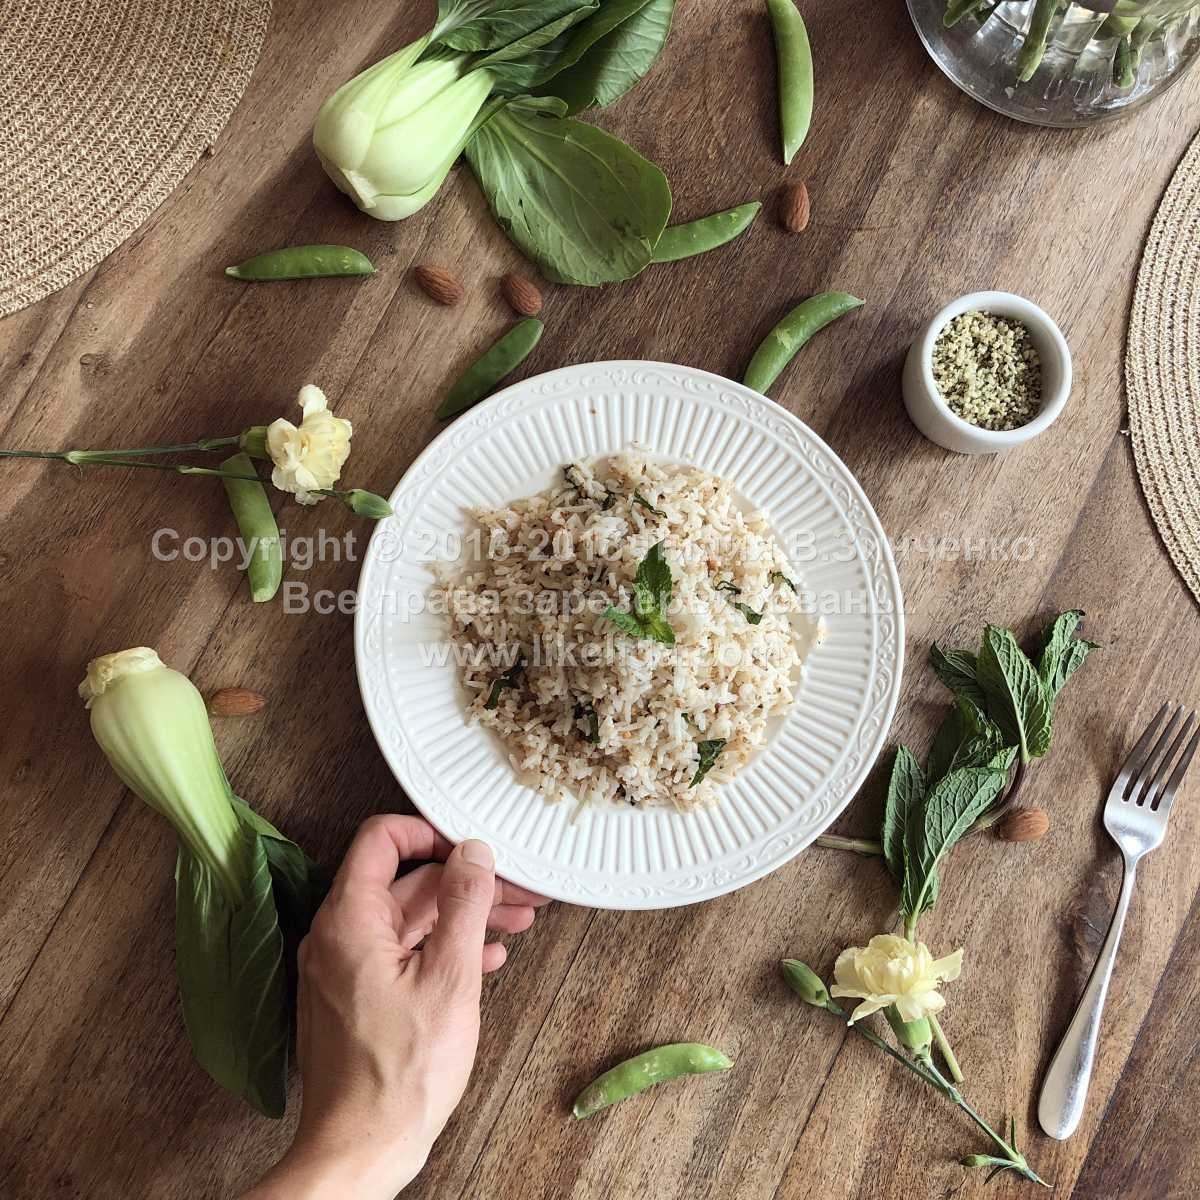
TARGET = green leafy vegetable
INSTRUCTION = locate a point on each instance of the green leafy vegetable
(966, 738)
(906, 791)
(727, 585)
(580, 203)
(1062, 653)
(780, 578)
(957, 670)
(483, 25)
(244, 894)
(638, 498)
(949, 810)
(751, 615)
(607, 55)
(509, 679)
(522, 49)
(709, 752)
(1017, 699)
(652, 588)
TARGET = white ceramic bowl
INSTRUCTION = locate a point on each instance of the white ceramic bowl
(932, 415)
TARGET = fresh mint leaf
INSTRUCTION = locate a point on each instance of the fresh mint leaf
(749, 613)
(653, 579)
(1017, 699)
(966, 738)
(625, 622)
(509, 679)
(957, 670)
(709, 752)
(1072, 660)
(652, 588)
(1062, 654)
(584, 206)
(638, 498)
(906, 791)
(609, 53)
(949, 810)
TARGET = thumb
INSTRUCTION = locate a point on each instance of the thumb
(466, 893)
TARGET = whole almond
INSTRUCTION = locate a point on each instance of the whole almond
(235, 702)
(438, 284)
(794, 210)
(1024, 825)
(522, 296)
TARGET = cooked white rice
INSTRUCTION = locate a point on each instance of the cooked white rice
(596, 712)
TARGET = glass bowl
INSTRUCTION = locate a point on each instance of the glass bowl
(1057, 63)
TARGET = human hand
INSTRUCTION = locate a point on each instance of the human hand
(387, 1032)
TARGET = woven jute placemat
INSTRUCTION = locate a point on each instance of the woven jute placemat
(104, 107)
(1162, 369)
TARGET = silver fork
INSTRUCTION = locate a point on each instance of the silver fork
(1135, 816)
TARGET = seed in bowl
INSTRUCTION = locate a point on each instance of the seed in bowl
(988, 371)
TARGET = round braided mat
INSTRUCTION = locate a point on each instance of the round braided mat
(1162, 369)
(104, 107)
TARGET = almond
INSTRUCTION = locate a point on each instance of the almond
(522, 296)
(438, 284)
(235, 702)
(794, 209)
(1024, 825)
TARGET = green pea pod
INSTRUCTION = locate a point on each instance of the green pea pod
(256, 527)
(303, 262)
(697, 237)
(779, 347)
(491, 367)
(794, 67)
(645, 1070)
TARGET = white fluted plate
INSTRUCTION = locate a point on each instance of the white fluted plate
(457, 774)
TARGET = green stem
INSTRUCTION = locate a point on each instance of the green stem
(831, 841)
(945, 1050)
(925, 1069)
(1033, 48)
(910, 926)
(81, 456)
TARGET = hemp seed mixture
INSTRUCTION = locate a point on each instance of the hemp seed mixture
(988, 371)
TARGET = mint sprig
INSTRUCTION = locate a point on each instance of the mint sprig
(652, 586)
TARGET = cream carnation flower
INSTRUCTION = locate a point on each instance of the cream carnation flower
(893, 970)
(309, 458)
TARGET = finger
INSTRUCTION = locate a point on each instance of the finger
(510, 918)
(513, 893)
(495, 955)
(454, 949)
(382, 843)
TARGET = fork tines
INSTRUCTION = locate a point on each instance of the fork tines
(1156, 765)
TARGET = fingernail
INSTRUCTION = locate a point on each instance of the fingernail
(478, 854)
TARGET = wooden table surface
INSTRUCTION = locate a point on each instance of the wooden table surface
(918, 195)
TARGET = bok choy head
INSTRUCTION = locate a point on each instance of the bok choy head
(244, 894)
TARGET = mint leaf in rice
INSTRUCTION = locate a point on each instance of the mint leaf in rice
(709, 752)
(638, 498)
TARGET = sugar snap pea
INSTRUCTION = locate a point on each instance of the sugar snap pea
(707, 233)
(256, 527)
(302, 262)
(779, 347)
(491, 367)
(794, 67)
(645, 1070)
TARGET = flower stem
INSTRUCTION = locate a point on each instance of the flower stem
(925, 1069)
(81, 457)
(831, 841)
(944, 1049)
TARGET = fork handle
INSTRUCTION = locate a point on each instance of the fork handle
(1064, 1090)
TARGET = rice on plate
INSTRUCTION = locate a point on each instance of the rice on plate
(629, 633)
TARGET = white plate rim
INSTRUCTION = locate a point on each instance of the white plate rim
(787, 848)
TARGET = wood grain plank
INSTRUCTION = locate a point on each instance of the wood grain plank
(917, 196)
